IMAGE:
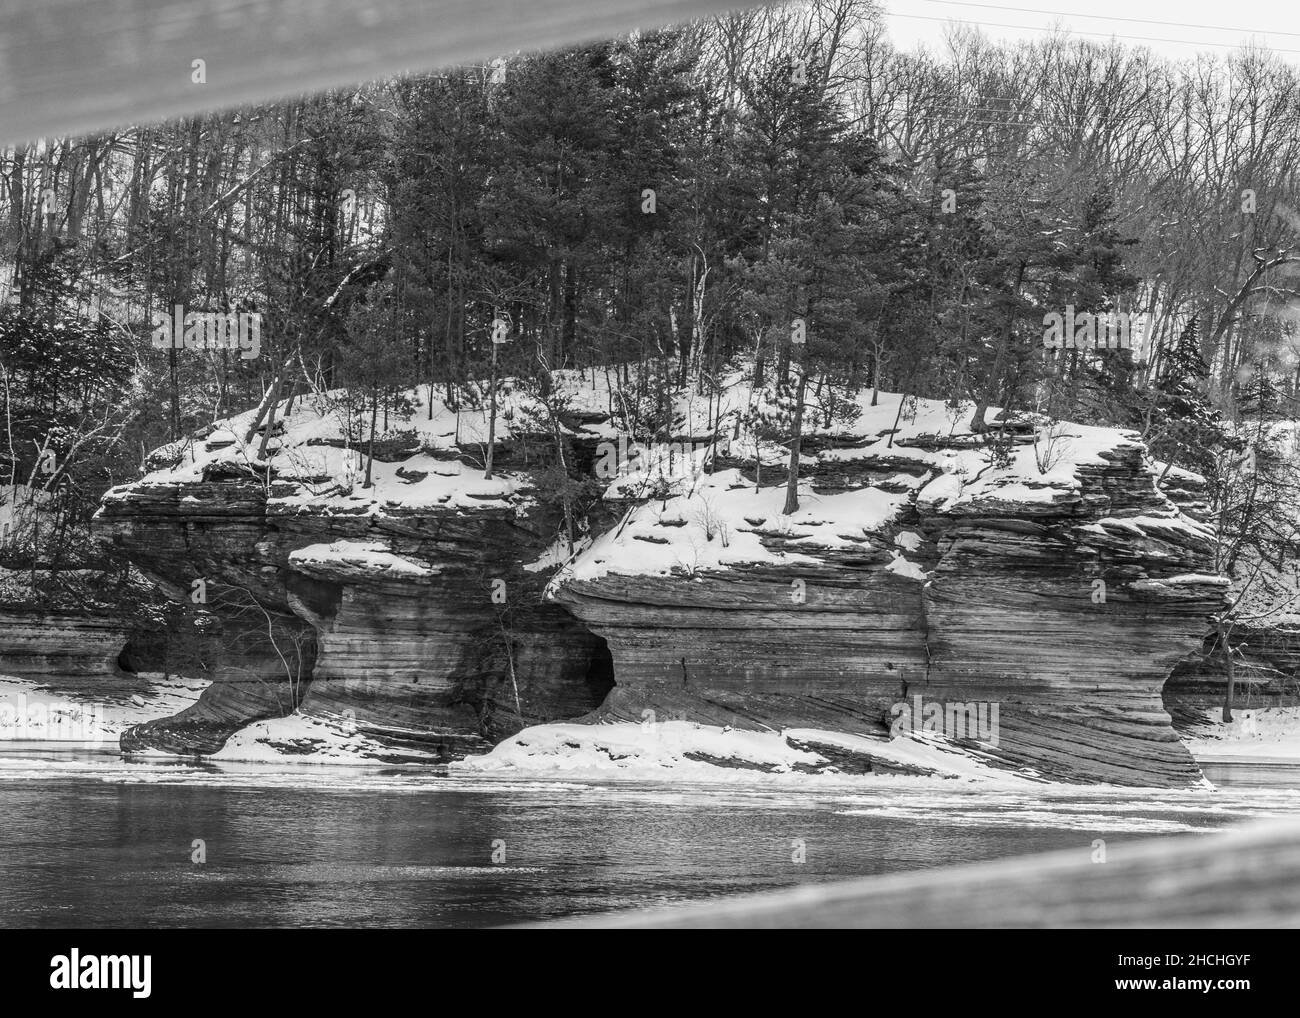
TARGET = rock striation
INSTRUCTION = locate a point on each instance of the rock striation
(39, 644)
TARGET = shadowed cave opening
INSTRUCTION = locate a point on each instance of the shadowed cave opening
(600, 671)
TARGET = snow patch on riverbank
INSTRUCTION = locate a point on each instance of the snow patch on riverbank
(93, 712)
(1259, 733)
(310, 740)
(689, 751)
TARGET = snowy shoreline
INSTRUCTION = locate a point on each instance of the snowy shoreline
(87, 711)
(680, 750)
(1263, 735)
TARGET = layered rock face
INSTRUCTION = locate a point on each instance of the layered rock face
(1062, 597)
(36, 644)
(415, 651)
(1072, 615)
(207, 543)
(376, 615)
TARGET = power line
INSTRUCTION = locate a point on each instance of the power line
(1025, 125)
(1107, 17)
(957, 119)
(1029, 115)
(989, 111)
(1075, 31)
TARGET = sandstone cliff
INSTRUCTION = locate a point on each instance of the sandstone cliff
(1062, 590)
(372, 608)
(1041, 583)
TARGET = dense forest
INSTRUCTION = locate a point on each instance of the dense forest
(780, 189)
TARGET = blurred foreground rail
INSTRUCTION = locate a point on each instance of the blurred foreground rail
(70, 67)
(1245, 877)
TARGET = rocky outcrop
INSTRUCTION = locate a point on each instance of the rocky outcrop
(256, 671)
(1024, 598)
(375, 616)
(207, 546)
(414, 650)
(917, 568)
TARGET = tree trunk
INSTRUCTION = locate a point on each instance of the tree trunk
(570, 529)
(175, 396)
(1230, 668)
(792, 482)
(270, 426)
(370, 460)
(271, 397)
(898, 416)
(492, 417)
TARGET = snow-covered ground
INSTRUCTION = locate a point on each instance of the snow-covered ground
(699, 521)
(302, 739)
(1260, 733)
(671, 750)
(34, 712)
(312, 450)
(686, 751)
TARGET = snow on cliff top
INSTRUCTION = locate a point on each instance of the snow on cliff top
(315, 448)
(690, 521)
(312, 448)
(695, 520)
